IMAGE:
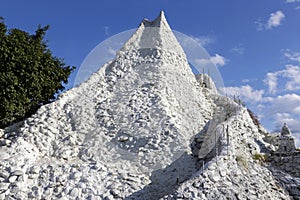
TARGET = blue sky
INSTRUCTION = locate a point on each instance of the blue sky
(255, 44)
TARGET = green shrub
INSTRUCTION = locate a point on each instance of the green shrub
(260, 157)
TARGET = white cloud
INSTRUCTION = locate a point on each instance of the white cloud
(245, 80)
(219, 60)
(292, 56)
(275, 19)
(297, 110)
(292, 1)
(246, 93)
(202, 61)
(248, 81)
(271, 81)
(288, 103)
(290, 120)
(292, 73)
(289, 76)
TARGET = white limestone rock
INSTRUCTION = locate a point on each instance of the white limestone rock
(126, 133)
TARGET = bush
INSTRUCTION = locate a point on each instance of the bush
(260, 157)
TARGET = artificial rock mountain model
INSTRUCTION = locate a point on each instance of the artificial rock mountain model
(142, 127)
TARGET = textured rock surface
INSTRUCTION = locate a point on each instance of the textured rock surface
(235, 172)
(286, 162)
(142, 127)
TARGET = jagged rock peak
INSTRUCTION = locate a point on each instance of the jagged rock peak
(158, 22)
(155, 34)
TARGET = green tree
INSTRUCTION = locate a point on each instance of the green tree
(30, 75)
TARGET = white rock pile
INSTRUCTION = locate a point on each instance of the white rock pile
(142, 127)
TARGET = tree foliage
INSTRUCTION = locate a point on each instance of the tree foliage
(30, 75)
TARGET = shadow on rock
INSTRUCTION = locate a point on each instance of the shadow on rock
(166, 181)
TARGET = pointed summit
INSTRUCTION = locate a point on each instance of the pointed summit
(155, 34)
(158, 22)
(161, 17)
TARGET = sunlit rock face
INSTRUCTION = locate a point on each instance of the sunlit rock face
(142, 127)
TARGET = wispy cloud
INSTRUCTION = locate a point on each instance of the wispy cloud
(217, 59)
(245, 80)
(271, 81)
(204, 40)
(260, 26)
(238, 50)
(106, 30)
(275, 19)
(292, 1)
(291, 56)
